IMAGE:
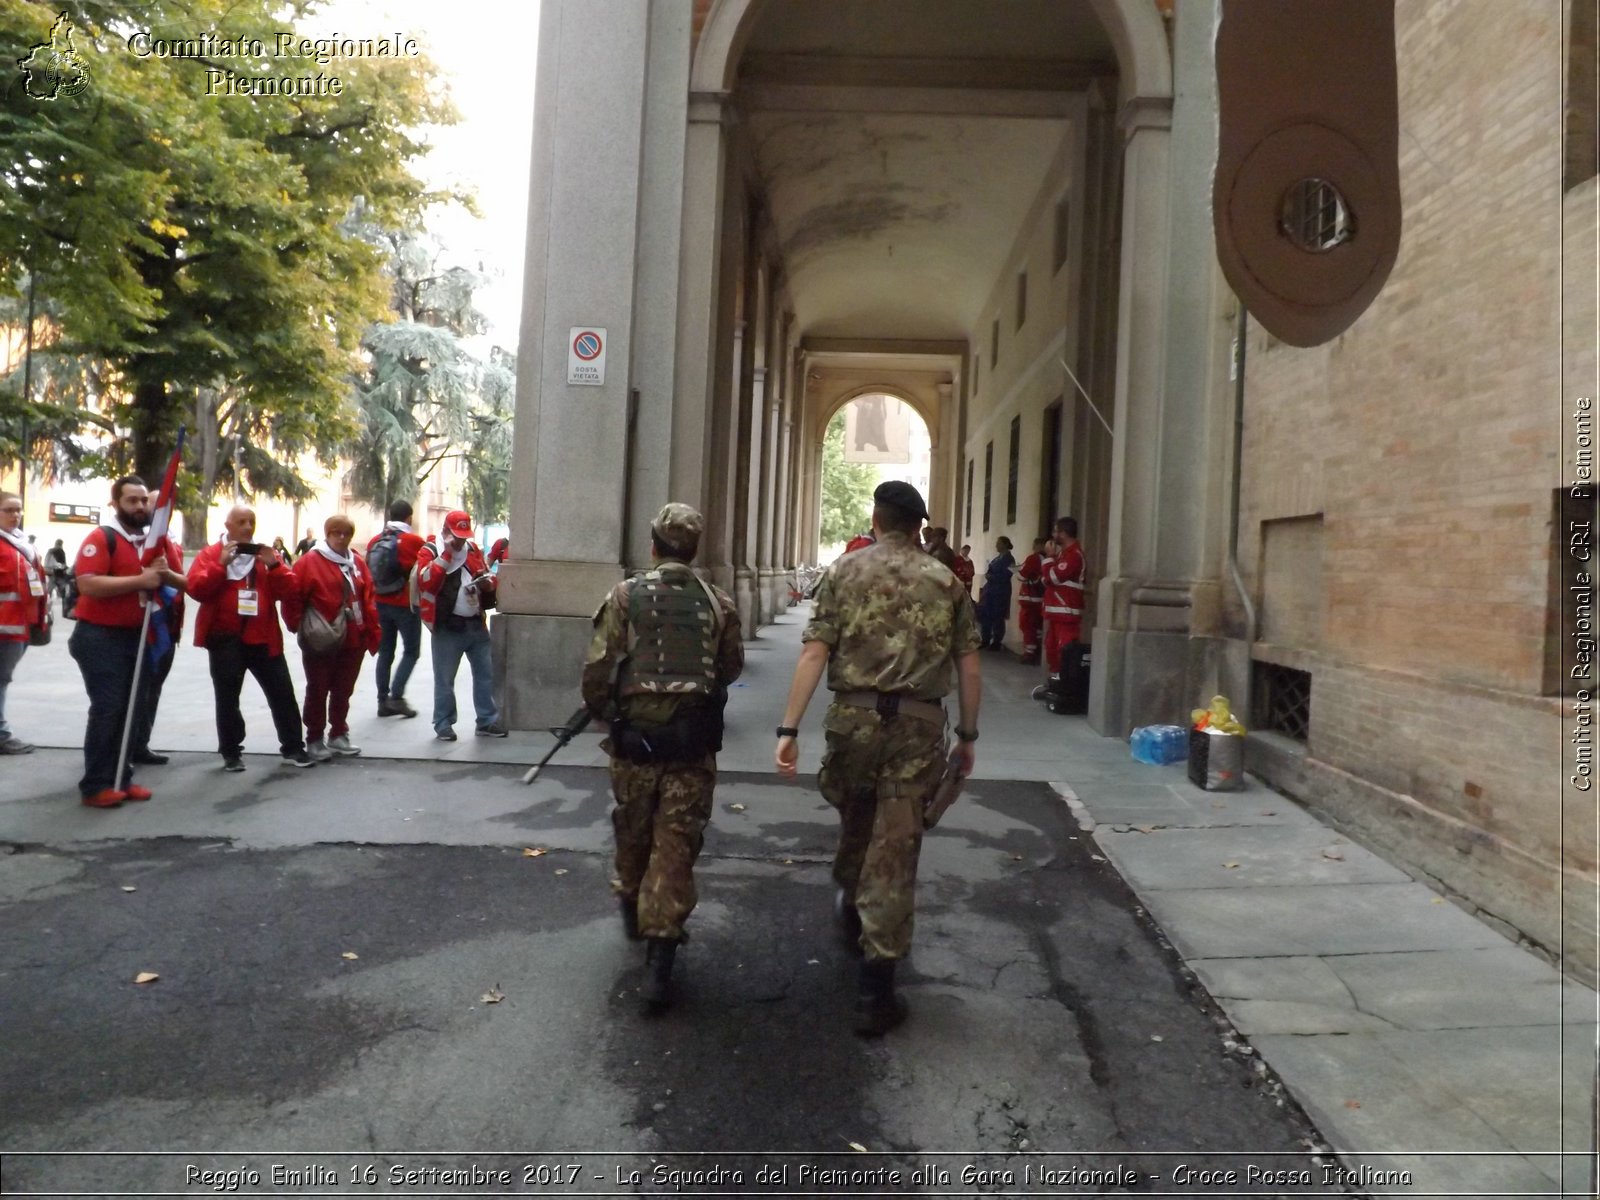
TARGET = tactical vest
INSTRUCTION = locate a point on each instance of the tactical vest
(673, 630)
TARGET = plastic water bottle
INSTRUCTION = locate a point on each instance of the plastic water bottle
(1159, 745)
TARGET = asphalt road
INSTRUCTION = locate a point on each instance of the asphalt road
(330, 997)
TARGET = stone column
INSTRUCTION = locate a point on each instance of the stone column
(599, 230)
(1160, 585)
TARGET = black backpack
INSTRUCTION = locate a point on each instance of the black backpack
(383, 560)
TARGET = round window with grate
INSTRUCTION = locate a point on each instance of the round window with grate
(1314, 216)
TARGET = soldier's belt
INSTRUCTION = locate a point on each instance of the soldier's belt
(888, 704)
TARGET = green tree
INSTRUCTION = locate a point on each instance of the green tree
(426, 394)
(846, 488)
(197, 245)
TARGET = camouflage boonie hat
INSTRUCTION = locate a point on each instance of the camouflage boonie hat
(679, 527)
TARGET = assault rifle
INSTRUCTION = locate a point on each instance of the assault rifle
(576, 724)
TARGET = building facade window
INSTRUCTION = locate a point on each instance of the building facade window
(1013, 469)
(994, 344)
(988, 476)
(972, 467)
(1022, 298)
(1282, 700)
(1583, 95)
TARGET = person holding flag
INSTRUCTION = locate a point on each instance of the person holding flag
(128, 574)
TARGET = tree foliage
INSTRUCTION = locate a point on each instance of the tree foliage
(846, 488)
(427, 395)
(196, 247)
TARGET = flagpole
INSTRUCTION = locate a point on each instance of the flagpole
(133, 698)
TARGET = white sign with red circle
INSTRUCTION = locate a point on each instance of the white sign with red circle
(586, 356)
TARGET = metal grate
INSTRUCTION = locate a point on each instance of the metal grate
(1282, 700)
(1315, 217)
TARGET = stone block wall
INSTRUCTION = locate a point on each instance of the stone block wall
(1428, 439)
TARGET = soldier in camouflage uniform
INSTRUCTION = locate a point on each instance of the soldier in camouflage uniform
(893, 628)
(666, 646)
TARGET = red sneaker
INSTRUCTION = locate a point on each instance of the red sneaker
(134, 792)
(106, 798)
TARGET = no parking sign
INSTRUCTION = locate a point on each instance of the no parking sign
(586, 355)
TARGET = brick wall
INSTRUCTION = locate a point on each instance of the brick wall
(1429, 438)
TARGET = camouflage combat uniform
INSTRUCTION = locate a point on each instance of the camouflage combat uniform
(661, 808)
(893, 618)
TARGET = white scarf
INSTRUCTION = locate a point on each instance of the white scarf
(346, 561)
(21, 543)
(240, 566)
(454, 560)
(136, 538)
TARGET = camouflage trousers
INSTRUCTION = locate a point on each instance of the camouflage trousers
(879, 774)
(660, 821)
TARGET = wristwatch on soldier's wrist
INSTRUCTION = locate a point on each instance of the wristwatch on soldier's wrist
(966, 735)
(788, 731)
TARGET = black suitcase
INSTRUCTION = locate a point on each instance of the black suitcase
(1073, 696)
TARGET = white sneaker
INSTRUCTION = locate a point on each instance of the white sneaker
(341, 746)
(319, 750)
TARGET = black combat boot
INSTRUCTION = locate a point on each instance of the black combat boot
(629, 905)
(878, 1008)
(658, 957)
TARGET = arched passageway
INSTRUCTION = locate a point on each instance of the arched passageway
(964, 203)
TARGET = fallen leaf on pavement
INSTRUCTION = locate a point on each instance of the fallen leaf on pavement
(127, 888)
(561, 870)
(736, 808)
(1437, 900)
(146, 977)
(1016, 858)
(1148, 828)
(1097, 858)
(1231, 866)
(1156, 1037)
(858, 1147)
(1352, 1104)
(534, 852)
(493, 996)
(1335, 855)
(350, 954)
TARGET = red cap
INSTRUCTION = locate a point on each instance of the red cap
(459, 524)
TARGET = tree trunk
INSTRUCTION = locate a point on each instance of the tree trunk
(206, 439)
(148, 424)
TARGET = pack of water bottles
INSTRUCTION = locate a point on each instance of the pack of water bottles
(1159, 745)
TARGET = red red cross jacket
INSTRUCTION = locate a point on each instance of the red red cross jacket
(321, 583)
(1031, 573)
(1063, 585)
(22, 594)
(431, 576)
(219, 600)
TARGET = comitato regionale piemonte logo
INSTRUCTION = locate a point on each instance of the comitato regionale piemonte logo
(53, 69)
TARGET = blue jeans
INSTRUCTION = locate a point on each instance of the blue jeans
(448, 647)
(400, 624)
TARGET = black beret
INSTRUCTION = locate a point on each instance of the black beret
(897, 494)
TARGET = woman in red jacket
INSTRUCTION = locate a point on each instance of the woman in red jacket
(333, 580)
(22, 606)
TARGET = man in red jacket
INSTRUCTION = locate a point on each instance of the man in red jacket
(239, 585)
(113, 584)
(1063, 595)
(456, 589)
(22, 606)
(396, 548)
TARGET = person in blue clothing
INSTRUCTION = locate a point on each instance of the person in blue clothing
(994, 601)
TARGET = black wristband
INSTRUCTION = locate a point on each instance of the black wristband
(966, 735)
(788, 731)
